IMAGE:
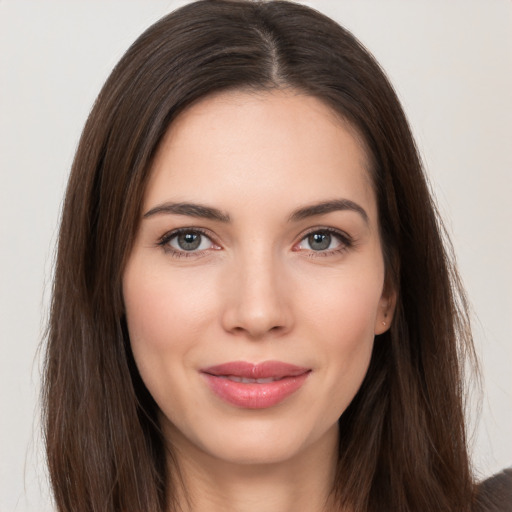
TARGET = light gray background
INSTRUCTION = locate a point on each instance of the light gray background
(451, 65)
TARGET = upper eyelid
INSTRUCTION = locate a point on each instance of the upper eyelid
(166, 237)
(335, 231)
(174, 232)
(164, 242)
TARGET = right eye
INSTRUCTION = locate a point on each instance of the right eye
(185, 242)
(190, 241)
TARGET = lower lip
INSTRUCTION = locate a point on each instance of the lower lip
(254, 395)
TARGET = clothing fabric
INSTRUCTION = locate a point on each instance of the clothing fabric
(495, 493)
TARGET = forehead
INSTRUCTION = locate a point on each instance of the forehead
(259, 148)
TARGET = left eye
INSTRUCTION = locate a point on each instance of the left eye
(190, 241)
(321, 241)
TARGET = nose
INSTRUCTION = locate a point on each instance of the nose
(258, 302)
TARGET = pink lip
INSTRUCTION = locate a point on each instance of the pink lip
(286, 380)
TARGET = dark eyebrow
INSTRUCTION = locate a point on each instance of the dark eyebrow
(328, 207)
(190, 209)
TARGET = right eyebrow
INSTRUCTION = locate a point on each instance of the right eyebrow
(189, 209)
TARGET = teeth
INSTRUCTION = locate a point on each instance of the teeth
(245, 380)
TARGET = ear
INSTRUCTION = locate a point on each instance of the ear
(386, 310)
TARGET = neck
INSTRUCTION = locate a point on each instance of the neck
(302, 483)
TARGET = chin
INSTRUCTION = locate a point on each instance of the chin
(247, 442)
(265, 452)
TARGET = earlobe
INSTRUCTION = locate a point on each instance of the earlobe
(381, 327)
(385, 313)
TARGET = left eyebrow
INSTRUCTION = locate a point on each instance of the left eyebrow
(327, 207)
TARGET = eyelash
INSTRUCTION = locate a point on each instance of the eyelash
(346, 242)
(165, 239)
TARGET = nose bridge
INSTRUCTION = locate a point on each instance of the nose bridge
(260, 302)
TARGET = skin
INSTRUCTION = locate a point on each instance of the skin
(255, 290)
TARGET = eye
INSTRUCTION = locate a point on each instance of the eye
(324, 240)
(319, 241)
(186, 241)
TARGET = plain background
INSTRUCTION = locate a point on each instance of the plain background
(451, 63)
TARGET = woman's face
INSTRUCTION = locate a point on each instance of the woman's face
(256, 283)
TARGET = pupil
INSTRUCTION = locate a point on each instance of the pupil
(189, 241)
(319, 241)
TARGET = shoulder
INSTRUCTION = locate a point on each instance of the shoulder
(495, 493)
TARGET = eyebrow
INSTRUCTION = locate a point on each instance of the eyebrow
(189, 209)
(208, 212)
(327, 207)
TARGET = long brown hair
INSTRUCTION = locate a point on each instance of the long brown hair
(402, 442)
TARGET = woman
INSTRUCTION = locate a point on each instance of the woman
(253, 306)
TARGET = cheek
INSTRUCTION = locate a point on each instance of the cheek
(162, 306)
(342, 318)
(349, 334)
(344, 303)
(164, 313)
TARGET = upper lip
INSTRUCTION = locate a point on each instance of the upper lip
(264, 370)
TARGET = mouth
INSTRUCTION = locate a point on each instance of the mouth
(255, 386)
(245, 380)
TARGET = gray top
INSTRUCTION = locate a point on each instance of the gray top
(495, 493)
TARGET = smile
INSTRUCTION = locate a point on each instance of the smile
(245, 380)
(255, 386)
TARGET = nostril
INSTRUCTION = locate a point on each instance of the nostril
(257, 308)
